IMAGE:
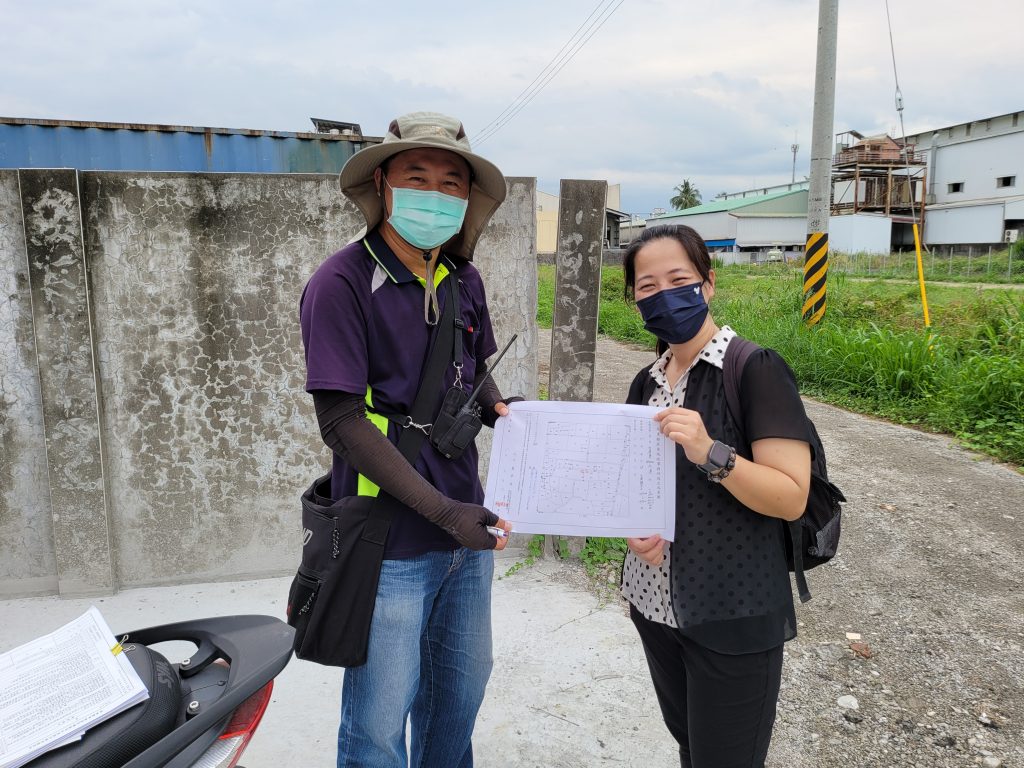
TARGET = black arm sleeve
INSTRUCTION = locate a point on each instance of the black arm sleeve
(346, 431)
(489, 395)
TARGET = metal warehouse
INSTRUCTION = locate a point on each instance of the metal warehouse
(26, 143)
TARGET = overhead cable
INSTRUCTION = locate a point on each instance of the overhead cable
(561, 59)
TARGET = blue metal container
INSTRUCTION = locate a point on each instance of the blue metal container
(138, 147)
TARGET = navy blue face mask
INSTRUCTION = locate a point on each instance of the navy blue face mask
(675, 314)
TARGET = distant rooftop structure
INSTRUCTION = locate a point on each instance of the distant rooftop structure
(877, 174)
(733, 203)
(1010, 121)
(793, 186)
(336, 127)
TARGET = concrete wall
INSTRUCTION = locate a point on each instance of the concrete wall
(152, 357)
(507, 260)
(27, 561)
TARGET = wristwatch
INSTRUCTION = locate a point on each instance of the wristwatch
(719, 463)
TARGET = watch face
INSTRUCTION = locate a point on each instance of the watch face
(719, 455)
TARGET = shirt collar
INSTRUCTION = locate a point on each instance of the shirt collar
(393, 266)
(712, 352)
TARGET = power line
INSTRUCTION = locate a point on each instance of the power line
(589, 33)
(543, 71)
(899, 110)
(548, 73)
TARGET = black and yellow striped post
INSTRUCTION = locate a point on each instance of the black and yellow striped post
(815, 277)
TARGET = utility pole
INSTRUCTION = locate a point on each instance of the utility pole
(793, 148)
(819, 196)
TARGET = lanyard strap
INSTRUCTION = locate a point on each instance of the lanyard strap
(450, 322)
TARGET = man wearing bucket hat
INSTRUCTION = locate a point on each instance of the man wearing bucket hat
(368, 316)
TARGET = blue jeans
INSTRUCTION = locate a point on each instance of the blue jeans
(429, 659)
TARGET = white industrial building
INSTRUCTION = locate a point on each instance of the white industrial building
(968, 178)
(975, 181)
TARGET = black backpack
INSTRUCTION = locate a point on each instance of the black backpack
(814, 537)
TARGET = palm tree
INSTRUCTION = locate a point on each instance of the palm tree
(687, 196)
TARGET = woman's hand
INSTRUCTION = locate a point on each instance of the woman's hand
(651, 550)
(686, 428)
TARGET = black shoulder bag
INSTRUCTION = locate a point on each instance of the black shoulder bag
(331, 600)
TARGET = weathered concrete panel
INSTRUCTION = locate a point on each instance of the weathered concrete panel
(67, 376)
(507, 261)
(169, 339)
(210, 437)
(27, 562)
(581, 216)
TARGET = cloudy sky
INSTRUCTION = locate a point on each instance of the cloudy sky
(663, 91)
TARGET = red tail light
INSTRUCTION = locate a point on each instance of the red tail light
(227, 751)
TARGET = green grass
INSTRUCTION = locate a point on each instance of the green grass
(872, 353)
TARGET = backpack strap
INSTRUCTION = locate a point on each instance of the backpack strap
(736, 356)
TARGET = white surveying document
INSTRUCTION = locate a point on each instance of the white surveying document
(582, 469)
(56, 687)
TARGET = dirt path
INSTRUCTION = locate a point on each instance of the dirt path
(929, 575)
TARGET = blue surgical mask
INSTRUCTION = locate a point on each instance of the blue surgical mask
(675, 315)
(426, 219)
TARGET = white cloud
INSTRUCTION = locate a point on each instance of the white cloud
(666, 90)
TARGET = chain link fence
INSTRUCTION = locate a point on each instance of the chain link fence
(983, 264)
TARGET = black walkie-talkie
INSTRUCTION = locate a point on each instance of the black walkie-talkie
(458, 421)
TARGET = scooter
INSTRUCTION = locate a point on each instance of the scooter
(202, 711)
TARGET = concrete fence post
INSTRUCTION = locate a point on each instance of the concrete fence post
(581, 222)
(62, 321)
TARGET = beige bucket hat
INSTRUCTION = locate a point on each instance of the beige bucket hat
(415, 131)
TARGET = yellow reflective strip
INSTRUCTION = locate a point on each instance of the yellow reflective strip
(439, 274)
(366, 244)
(365, 486)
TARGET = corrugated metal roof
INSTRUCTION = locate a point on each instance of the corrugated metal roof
(26, 143)
(732, 204)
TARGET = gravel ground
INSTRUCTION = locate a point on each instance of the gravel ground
(909, 652)
(928, 577)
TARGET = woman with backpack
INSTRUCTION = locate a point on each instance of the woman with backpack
(714, 607)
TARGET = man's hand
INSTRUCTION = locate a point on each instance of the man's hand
(651, 549)
(467, 524)
(501, 407)
(506, 526)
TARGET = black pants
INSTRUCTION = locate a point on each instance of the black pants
(719, 708)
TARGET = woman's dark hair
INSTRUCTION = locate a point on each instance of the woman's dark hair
(692, 243)
(686, 236)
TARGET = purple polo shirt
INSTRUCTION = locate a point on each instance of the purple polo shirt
(364, 333)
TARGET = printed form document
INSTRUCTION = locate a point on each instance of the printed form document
(582, 469)
(53, 689)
